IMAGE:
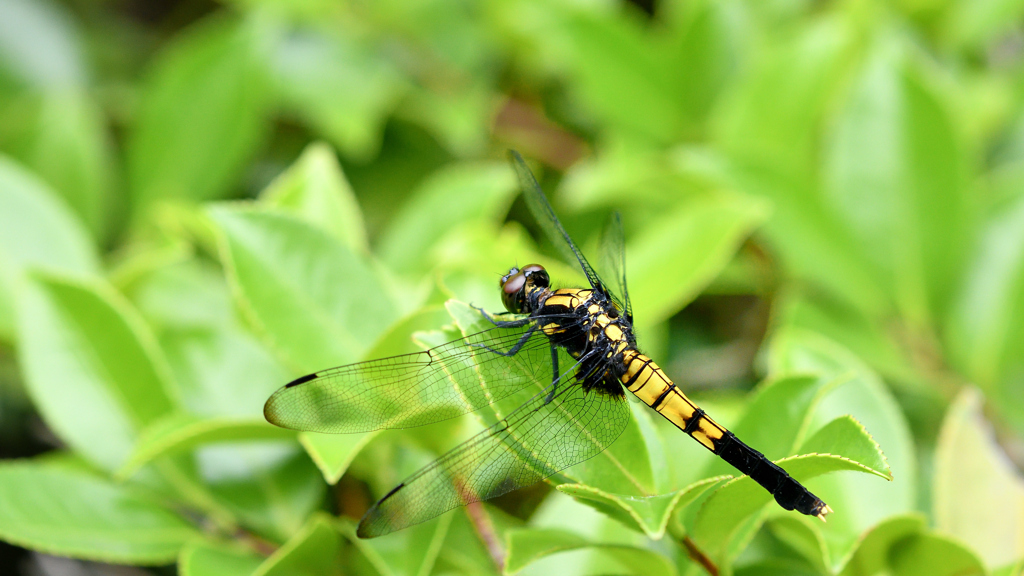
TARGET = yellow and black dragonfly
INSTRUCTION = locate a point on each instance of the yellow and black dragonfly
(579, 341)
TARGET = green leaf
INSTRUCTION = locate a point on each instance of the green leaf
(896, 175)
(801, 534)
(527, 546)
(410, 552)
(933, 555)
(317, 303)
(847, 437)
(342, 89)
(42, 45)
(202, 114)
(268, 486)
(724, 515)
(333, 453)
(650, 514)
(70, 149)
(60, 510)
(37, 231)
(91, 367)
(860, 502)
(206, 558)
(986, 331)
(453, 196)
(180, 432)
(677, 255)
(978, 495)
(312, 551)
(871, 556)
(621, 75)
(314, 188)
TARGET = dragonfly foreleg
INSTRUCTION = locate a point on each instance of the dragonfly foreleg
(502, 323)
(515, 348)
(554, 375)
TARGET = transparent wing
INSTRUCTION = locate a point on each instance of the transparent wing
(537, 440)
(545, 216)
(613, 263)
(416, 389)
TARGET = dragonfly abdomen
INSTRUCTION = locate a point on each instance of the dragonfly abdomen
(647, 382)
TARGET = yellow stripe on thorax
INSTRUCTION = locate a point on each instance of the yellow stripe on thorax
(648, 383)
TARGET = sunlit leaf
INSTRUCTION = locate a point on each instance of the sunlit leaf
(528, 546)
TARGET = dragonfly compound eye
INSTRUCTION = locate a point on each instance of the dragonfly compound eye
(512, 294)
(537, 275)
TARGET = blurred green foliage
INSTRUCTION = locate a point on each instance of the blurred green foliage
(199, 202)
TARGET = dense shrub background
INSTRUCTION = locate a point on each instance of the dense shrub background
(824, 215)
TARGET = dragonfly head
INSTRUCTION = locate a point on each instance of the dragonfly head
(519, 283)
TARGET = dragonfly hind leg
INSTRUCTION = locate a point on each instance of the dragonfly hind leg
(515, 348)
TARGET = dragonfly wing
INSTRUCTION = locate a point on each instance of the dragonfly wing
(546, 218)
(415, 389)
(613, 263)
(536, 440)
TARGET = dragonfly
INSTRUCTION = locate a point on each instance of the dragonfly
(578, 342)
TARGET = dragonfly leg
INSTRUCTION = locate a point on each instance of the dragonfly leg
(554, 375)
(516, 348)
(503, 323)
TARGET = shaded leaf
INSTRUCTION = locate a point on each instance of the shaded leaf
(60, 510)
(205, 558)
(872, 553)
(933, 555)
(180, 432)
(202, 114)
(527, 546)
(312, 551)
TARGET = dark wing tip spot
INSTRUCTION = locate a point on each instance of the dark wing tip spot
(301, 380)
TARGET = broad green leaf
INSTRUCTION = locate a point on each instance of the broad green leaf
(453, 196)
(268, 486)
(896, 176)
(315, 189)
(973, 23)
(180, 432)
(860, 502)
(40, 44)
(313, 551)
(847, 437)
(91, 367)
(872, 553)
(342, 89)
(622, 76)
(978, 495)
(678, 255)
(61, 510)
(69, 148)
(985, 334)
(801, 534)
(37, 231)
(207, 558)
(650, 514)
(529, 545)
(933, 555)
(220, 369)
(332, 453)
(317, 303)
(410, 552)
(724, 515)
(202, 114)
